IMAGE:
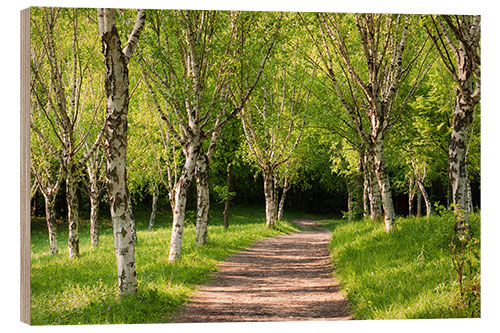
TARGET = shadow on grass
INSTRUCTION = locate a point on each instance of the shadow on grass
(83, 290)
(406, 273)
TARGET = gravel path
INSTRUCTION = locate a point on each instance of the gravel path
(284, 278)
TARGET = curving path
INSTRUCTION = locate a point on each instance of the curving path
(284, 278)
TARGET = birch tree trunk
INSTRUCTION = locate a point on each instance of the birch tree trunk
(366, 206)
(115, 142)
(360, 204)
(411, 196)
(180, 195)
(94, 218)
(457, 165)
(203, 199)
(461, 35)
(228, 199)
(66, 127)
(428, 207)
(275, 196)
(72, 199)
(95, 187)
(373, 190)
(269, 196)
(50, 216)
(132, 219)
(48, 183)
(384, 184)
(153, 207)
(281, 207)
(419, 204)
(349, 199)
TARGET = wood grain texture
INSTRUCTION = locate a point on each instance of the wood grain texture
(25, 169)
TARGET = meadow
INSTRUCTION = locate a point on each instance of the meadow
(409, 273)
(83, 290)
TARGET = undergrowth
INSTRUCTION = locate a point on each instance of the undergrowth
(410, 272)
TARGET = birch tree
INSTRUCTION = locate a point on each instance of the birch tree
(369, 86)
(153, 159)
(187, 71)
(116, 61)
(95, 186)
(457, 39)
(63, 90)
(273, 124)
(47, 173)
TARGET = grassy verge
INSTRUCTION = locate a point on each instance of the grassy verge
(407, 273)
(83, 291)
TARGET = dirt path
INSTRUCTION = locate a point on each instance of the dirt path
(285, 278)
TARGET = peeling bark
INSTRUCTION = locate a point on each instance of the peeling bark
(460, 34)
(375, 200)
(384, 184)
(49, 187)
(366, 206)
(411, 196)
(115, 144)
(269, 196)
(349, 199)
(419, 204)
(95, 186)
(281, 207)
(72, 199)
(203, 199)
(181, 189)
(94, 220)
(50, 216)
(132, 218)
(428, 207)
(153, 207)
(360, 204)
(457, 166)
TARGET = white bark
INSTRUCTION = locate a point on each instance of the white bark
(366, 206)
(71, 197)
(457, 168)
(269, 196)
(349, 199)
(419, 204)
(428, 207)
(180, 197)
(50, 216)
(375, 200)
(384, 184)
(281, 207)
(132, 219)
(94, 221)
(411, 196)
(203, 200)
(153, 207)
(95, 186)
(189, 113)
(460, 35)
(115, 142)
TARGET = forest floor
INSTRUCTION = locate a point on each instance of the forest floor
(284, 278)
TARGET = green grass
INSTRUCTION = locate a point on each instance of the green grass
(84, 290)
(407, 273)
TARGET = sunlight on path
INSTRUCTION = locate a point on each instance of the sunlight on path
(284, 278)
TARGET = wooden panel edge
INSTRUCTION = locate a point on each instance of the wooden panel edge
(25, 302)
